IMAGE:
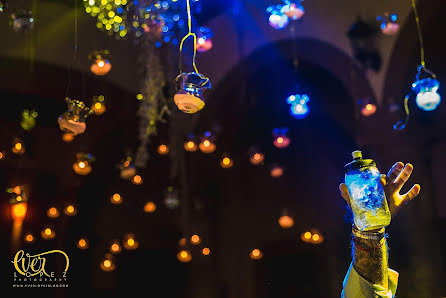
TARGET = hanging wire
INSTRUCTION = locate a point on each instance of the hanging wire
(75, 49)
(420, 36)
(400, 125)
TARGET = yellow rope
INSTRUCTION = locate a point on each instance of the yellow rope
(420, 37)
(189, 23)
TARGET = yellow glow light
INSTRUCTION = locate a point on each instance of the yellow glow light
(195, 239)
(256, 254)
(307, 235)
(137, 179)
(149, 207)
(19, 211)
(206, 251)
(29, 238)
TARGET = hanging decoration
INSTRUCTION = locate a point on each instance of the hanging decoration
(286, 221)
(82, 243)
(149, 207)
(171, 198)
(190, 144)
(256, 157)
(18, 146)
(388, 23)
(226, 162)
(48, 233)
(115, 247)
(101, 64)
(107, 264)
(67, 137)
(98, 105)
(129, 242)
(29, 238)
(116, 199)
(73, 120)
(190, 86)
(28, 120)
(299, 105)
(206, 251)
(207, 144)
(82, 166)
(52, 212)
(280, 138)
(22, 21)
(425, 86)
(293, 10)
(256, 254)
(276, 171)
(366, 107)
(70, 210)
(195, 239)
(312, 237)
(19, 203)
(184, 256)
(204, 39)
(162, 149)
(277, 19)
(128, 170)
(137, 180)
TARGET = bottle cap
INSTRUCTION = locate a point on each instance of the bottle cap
(358, 162)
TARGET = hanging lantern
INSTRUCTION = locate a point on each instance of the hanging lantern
(426, 90)
(226, 162)
(293, 10)
(276, 18)
(19, 203)
(276, 171)
(82, 243)
(115, 247)
(163, 149)
(206, 251)
(130, 243)
(48, 233)
(313, 237)
(82, 166)
(28, 120)
(388, 23)
(149, 207)
(195, 239)
(3, 6)
(256, 254)
(171, 199)
(184, 256)
(98, 105)
(29, 238)
(299, 105)
(280, 137)
(190, 86)
(128, 170)
(182, 242)
(52, 212)
(67, 137)
(18, 146)
(367, 108)
(100, 62)
(286, 221)
(137, 180)
(73, 120)
(107, 263)
(22, 21)
(204, 39)
(190, 144)
(2, 155)
(70, 210)
(116, 199)
(207, 144)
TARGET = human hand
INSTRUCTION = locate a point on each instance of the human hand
(392, 184)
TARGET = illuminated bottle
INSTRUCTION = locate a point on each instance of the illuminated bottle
(368, 201)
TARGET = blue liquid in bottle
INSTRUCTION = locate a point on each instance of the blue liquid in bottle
(368, 200)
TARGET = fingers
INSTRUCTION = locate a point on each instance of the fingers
(395, 171)
(344, 192)
(412, 193)
(403, 176)
(383, 180)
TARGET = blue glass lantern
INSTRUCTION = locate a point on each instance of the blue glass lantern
(299, 105)
(277, 19)
(427, 97)
(189, 97)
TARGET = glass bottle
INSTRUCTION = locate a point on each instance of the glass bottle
(368, 201)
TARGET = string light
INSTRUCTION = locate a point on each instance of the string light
(256, 158)
(52, 212)
(19, 203)
(367, 108)
(115, 247)
(70, 210)
(82, 166)
(256, 254)
(226, 162)
(116, 199)
(276, 171)
(128, 170)
(206, 251)
(207, 144)
(98, 105)
(82, 243)
(107, 264)
(149, 207)
(163, 149)
(29, 238)
(312, 237)
(195, 239)
(130, 243)
(184, 256)
(280, 137)
(137, 180)
(101, 64)
(286, 221)
(48, 234)
(18, 146)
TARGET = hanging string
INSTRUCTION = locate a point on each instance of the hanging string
(75, 49)
(420, 36)
(400, 125)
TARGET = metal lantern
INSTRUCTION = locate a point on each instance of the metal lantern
(189, 97)
(73, 120)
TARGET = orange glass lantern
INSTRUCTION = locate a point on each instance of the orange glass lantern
(100, 62)
(226, 162)
(149, 207)
(18, 147)
(190, 144)
(52, 212)
(207, 144)
(98, 105)
(280, 139)
(184, 256)
(115, 247)
(116, 199)
(82, 243)
(29, 238)
(107, 264)
(276, 171)
(206, 251)
(256, 254)
(286, 221)
(195, 239)
(137, 180)
(82, 166)
(130, 243)
(163, 149)
(48, 233)
(19, 203)
(256, 158)
(367, 108)
(67, 137)
(189, 96)
(70, 210)
(73, 120)
(128, 170)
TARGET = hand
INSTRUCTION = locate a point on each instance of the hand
(392, 184)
